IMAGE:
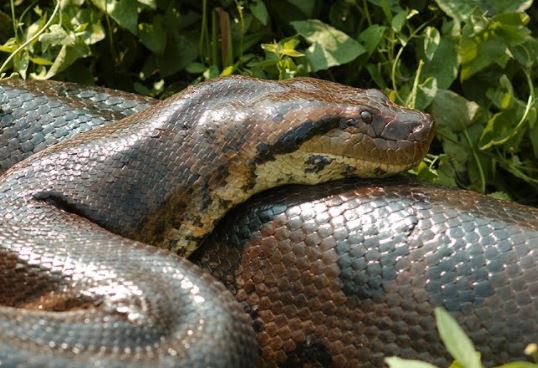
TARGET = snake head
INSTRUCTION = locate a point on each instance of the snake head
(328, 131)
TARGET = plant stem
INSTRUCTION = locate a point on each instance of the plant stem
(477, 160)
(30, 40)
(12, 3)
(203, 33)
(412, 98)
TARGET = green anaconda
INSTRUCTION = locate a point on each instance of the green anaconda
(339, 274)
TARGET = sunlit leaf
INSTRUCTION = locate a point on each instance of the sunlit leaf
(40, 61)
(459, 10)
(456, 341)
(329, 46)
(55, 36)
(227, 71)
(431, 41)
(270, 47)
(518, 365)
(394, 362)
(9, 46)
(291, 52)
(150, 3)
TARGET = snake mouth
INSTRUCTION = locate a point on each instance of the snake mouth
(359, 154)
(334, 167)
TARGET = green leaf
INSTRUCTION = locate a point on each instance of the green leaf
(431, 42)
(40, 61)
(499, 128)
(490, 40)
(195, 68)
(153, 36)
(506, 197)
(21, 62)
(458, 10)
(291, 53)
(330, 47)
(259, 10)
(375, 74)
(307, 7)
(55, 36)
(270, 47)
(511, 27)
(227, 71)
(5, 24)
(509, 6)
(476, 54)
(518, 365)
(371, 37)
(124, 12)
(181, 51)
(94, 33)
(426, 93)
(67, 56)
(444, 174)
(526, 53)
(456, 341)
(149, 3)
(10, 46)
(453, 112)
(394, 362)
(461, 10)
(211, 72)
(444, 64)
(533, 135)
(398, 21)
(502, 96)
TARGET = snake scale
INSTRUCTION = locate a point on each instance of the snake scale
(338, 274)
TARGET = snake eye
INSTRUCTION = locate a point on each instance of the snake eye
(366, 116)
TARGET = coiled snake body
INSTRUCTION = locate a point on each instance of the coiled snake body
(366, 262)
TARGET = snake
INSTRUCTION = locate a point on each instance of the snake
(337, 274)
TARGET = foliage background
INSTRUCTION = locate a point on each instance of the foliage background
(470, 63)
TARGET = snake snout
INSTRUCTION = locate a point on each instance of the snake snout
(409, 125)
